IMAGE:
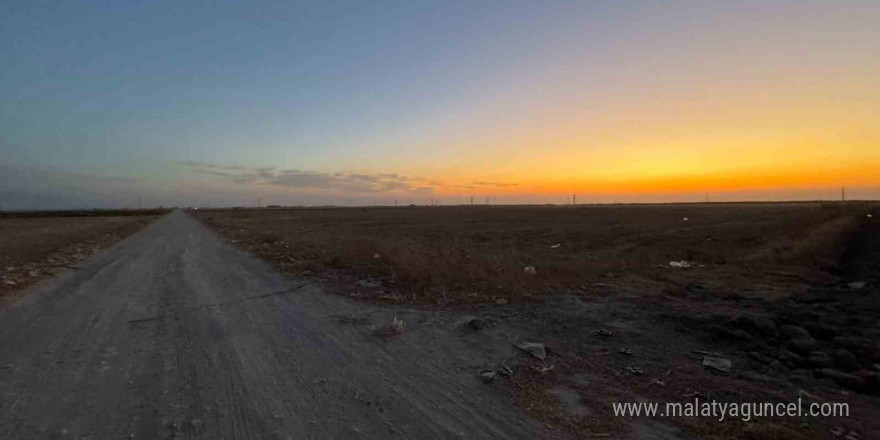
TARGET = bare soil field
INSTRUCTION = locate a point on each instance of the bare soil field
(666, 303)
(35, 245)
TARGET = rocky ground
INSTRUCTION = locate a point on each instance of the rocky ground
(769, 312)
(34, 248)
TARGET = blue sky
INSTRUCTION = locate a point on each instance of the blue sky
(441, 94)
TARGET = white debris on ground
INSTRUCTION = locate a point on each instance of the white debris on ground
(681, 264)
(717, 363)
(857, 285)
(685, 219)
(487, 375)
(530, 270)
(554, 246)
(535, 349)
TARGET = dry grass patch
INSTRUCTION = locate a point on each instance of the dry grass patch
(480, 254)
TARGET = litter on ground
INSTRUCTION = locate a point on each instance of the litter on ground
(535, 349)
(857, 285)
(717, 363)
(487, 375)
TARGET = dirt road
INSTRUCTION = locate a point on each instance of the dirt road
(172, 333)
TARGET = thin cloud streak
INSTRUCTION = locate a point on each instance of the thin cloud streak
(303, 179)
(498, 184)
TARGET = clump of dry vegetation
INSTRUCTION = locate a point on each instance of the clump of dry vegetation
(390, 330)
(743, 273)
(477, 254)
(85, 213)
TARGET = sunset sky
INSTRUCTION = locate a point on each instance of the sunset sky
(220, 103)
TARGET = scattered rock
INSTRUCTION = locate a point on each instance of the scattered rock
(818, 359)
(852, 342)
(761, 358)
(794, 332)
(845, 360)
(535, 349)
(843, 379)
(680, 264)
(477, 323)
(625, 351)
(800, 376)
(857, 285)
(554, 246)
(724, 333)
(635, 371)
(821, 331)
(802, 345)
(502, 301)
(755, 377)
(369, 283)
(756, 324)
(790, 359)
(603, 332)
(530, 270)
(504, 370)
(717, 363)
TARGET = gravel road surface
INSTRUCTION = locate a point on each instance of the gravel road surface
(174, 334)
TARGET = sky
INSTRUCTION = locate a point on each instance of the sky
(229, 103)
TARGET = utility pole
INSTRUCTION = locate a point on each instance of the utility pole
(707, 196)
(574, 199)
(842, 193)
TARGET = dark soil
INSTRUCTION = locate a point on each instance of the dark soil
(33, 248)
(787, 292)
